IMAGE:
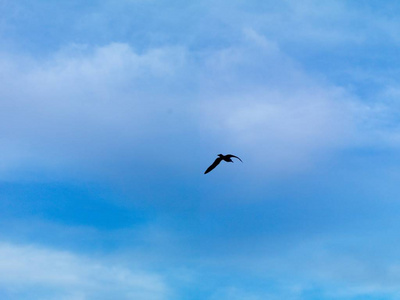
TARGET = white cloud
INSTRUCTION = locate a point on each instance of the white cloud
(283, 130)
(58, 274)
(83, 104)
(288, 118)
(98, 108)
(333, 266)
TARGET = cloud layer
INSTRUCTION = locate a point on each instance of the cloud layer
(53, 274)
(110, 105)
(110, 113)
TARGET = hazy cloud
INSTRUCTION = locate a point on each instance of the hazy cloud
(54, 274)
(110, 112)
(88, 104)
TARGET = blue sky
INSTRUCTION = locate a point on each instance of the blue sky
(110, 111)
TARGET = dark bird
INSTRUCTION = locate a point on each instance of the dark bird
(221, 157)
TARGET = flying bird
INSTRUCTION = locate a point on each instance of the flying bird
(221, 157)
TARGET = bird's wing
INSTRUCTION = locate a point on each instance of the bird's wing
(214, 164)
(230, 155)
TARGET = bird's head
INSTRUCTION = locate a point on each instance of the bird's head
(220, 155)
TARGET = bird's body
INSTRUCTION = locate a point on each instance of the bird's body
(221, 157)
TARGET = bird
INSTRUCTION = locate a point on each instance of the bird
(221, 157)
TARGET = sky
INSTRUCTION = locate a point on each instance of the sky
(111, 111)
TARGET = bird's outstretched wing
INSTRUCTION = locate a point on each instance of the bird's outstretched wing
(214, 164)
(230, 156)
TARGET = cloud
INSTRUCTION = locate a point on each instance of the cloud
(104, 110)
(52, 274)
(337, 266)
(96, 109)
(281, 115)
(145, 98)
(83, 104)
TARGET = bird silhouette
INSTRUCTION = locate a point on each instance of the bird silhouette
(220, 158)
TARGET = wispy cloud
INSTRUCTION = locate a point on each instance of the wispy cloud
(52, 274)
(97, 97)
(86, 104)
(110, 112)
